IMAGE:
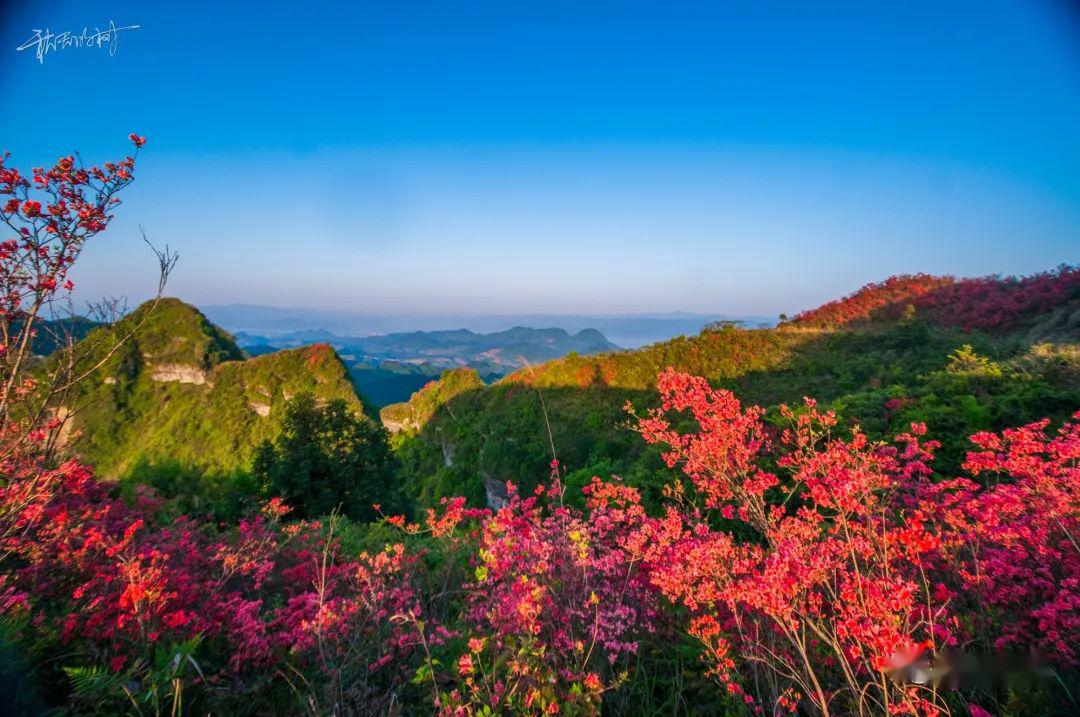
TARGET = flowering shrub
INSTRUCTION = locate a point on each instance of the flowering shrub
(1013, 544)
(818, 572)
(828, 597)
(272, 597)
(556, 603)
(873, 298)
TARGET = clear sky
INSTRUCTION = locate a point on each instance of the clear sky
(566, 157)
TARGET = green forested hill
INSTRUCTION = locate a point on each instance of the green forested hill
(179, 396)
(881, 376)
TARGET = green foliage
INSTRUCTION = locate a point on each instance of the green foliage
(20, 683)
(94, 685)
(328, 458)
(667, 678)
(389, 382)
(152, 687)
(882, 378)
(179, 395)
(225, 496)
(972, 392)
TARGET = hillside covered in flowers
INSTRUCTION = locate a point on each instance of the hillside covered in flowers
(873, 509)
(994, 304)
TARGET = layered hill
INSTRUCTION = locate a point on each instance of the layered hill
(179, 394)
(388, 368)
(450, 348)
(972, 355)
(504, 348)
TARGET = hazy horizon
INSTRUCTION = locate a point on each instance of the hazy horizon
(625, 330)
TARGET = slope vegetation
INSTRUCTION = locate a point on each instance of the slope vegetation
(180, 395)
(880, 367)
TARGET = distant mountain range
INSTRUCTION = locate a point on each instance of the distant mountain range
(505, 349)
(625, 330)
(390, 367)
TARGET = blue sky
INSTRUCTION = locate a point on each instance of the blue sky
(562, 157)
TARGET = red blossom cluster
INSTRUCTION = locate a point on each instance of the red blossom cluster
(826, 597)
(986, 303)
(52, 214)
(110, 578)
(1014, 541)
(867, 302)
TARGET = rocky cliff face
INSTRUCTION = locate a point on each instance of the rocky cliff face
(263, 409)
(178, 373)
(495, 493)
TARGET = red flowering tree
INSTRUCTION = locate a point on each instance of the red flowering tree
(51, 214)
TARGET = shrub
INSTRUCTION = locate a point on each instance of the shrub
(328, 458)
